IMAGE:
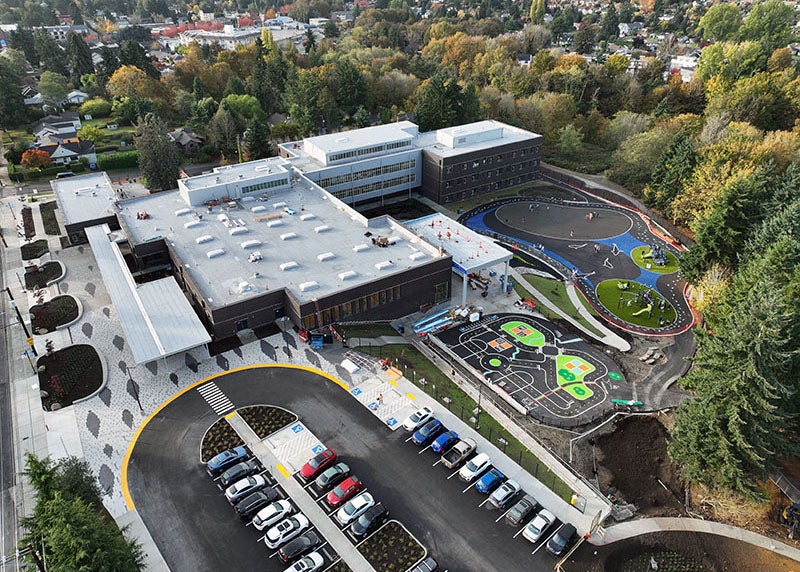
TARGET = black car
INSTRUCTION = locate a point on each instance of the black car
(520, 511)
(559, 542)
(299, 546)
(427, 565)
(370, 520)
(251, 504)
(239, 471)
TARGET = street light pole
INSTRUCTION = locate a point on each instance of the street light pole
(21, 322)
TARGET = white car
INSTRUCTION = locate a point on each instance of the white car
(474, 467)
(539, 525)
(504, 493)
(272, 513)
(285, 530)
(240, 489)
(417, 419)
(309, 563)
(354, 508)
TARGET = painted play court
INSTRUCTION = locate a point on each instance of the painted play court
(555, 376)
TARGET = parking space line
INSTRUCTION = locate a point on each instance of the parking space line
(543, 542)
(409, 438)
(424, 449)
(453, 474)
(439, 460)
(469, 487)
(502, 515)
(484, 502)
(519, 531)
(283, 471)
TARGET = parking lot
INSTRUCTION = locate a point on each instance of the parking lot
(196, 529)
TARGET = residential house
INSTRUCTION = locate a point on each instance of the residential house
(76, 97)
(186, 140)
(65, 123)
(68, 151)
(31, 95)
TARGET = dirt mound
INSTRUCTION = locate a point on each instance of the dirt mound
(634, 467)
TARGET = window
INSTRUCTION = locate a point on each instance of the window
(265, 185)
(441, 292)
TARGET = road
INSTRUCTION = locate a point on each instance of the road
(191, 522)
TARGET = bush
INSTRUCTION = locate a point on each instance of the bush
(96, 108)
(124, 160)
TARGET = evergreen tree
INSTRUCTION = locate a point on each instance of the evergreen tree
(438, 102)
(352, 89)
(674, 168)
(255, 142)
(537, 11)
(235, 86)
(159, 159)
(79, 57)
(302, 95)
(22, 39)
(223, 133)
(202, 112)
(311, 41)
(609, 23)
(197, 89)
(133, 54)
(51, 56)
(108, 65)
(12, 105)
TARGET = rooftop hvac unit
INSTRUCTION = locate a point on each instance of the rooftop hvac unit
(244, 287)
(322, 228)
(181, 212)
(238, 230)
(360, 247)
(288, 236)
(308, 216)
(192, 224)
(277, 222)
(222, 217)
(326, 256)
(278, 205)
(416, 255)
(383, 264)
(258, 209)
(310, 285)
(347, 275)
(251, 243)
(215, 253)
(394, 239)
(204, 238)
(288, 265)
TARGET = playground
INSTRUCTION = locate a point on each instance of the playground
(552, 375)
(598, 246)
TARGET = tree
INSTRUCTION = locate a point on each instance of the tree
(51, 56)
(256, 143)
(675, 166)
(108, 65)
(330, 29)
(197, 89)
(442, 102)
(53, 88)
(609, 23)
(585, 38)
(126, 81)
(570, 140)
(302, 96)
(90, 133)
(721, 22)
(243, 107)
(770, 24)
(79, 57)
(12, 105)
(22, 39)
(537, 11)
(96, 107)
(352, 89)
(730, 61)
(133, 54)
(758, 100)
(35, 159)
(202, 112)
(235, 86)
(223, 133)
(311, 41)
(159, 159)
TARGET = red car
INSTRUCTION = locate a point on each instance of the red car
(318, 464)
(343, 491)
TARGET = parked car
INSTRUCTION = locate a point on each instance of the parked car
(504, 494)
(370, 520)
(417, 419)
(343, 491)
(226, 459)
(272, 513)
(317, 464)
(427, 565)
(427, 432)
(559, 542)
(241, 489)
(444, 441)
(474, 467)
(310, 563)
(332, 475)
(298, 546)
(285, 530)
(354, 508)
(490, 481)
(239, 471)
(520, 510)
(458, 453)
(540, 523)
(254, 502)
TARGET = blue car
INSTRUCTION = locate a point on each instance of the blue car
(428, 431)
(490, 481)
(444, 441)
(226, 459)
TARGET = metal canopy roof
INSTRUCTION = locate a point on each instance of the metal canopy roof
(156, 317)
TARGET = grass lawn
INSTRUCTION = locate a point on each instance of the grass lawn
(556, 292)
(367, 330)
(532, 189)
(416, 367)
(592, 159)
(11, 136)
(617, 302)
(637, 255)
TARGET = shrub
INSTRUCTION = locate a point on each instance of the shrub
(96, 108)
(124, 160)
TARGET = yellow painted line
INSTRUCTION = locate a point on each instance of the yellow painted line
(126, 459)
(393, 382)
(411, 396)
(283, 470)
(230, 415)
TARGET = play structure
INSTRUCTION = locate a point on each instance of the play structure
(656, 254)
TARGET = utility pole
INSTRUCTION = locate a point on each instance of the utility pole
(21, 322)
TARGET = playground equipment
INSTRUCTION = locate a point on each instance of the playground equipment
(649, 308)
(657, 255)
(790, 518)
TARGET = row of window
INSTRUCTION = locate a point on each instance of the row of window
(484, 189)
(353, 307)
(489, 160)
(368, 150)
(376, 186)
(265, 185)
(492, 173)
(366, 173)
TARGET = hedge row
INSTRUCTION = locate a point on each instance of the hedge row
(124, 160)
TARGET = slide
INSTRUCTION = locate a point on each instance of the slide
(643, 310)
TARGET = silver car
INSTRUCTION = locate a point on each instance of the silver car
(240, 489)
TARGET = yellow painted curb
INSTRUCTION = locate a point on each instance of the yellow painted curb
(283, 470)
(411, 396)
(230, 415)
(393, 382)
(126, 459)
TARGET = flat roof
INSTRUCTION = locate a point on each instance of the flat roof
(157, 318)
(239, 172)
(471, 251)
(358, 138)
(317, 249)
(85, 198)
(510, 134)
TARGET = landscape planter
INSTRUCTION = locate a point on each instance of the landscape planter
(48, 212)
(70, 375)
(218, 438)
(34, 250)
(46, 274)
(265, 420)
(392, 548)
(55, 314)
